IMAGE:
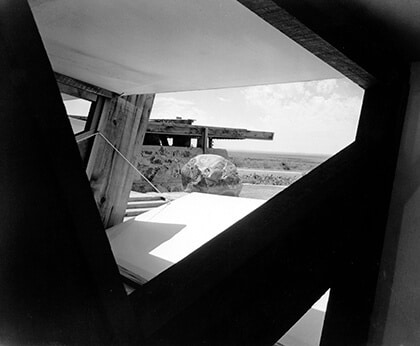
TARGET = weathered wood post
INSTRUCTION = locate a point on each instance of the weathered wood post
(204, 139)
(123, 123)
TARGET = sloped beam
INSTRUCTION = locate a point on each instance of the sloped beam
(343, 37)
(349, 317)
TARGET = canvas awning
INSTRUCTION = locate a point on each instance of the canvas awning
(140, 46)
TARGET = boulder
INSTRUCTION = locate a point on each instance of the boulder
(211, 174)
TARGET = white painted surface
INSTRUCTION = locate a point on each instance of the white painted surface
(144, 46)
(132, 242)
(400, 323)
(204, 216)
(155, 240)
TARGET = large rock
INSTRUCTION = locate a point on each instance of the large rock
(211, 174)
(162, 166)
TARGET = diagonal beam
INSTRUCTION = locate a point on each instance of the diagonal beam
(357, 50)
(350, 309)
(59, 281)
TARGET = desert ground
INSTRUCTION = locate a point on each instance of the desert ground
(265, 174)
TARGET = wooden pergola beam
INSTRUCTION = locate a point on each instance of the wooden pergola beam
(213, 132)
(159, 128)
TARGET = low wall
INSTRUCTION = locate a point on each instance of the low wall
(162, 166)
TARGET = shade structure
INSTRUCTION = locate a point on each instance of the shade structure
(141, 46)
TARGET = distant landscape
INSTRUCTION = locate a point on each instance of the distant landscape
(262, 174)
(273, 168)
(276, 161)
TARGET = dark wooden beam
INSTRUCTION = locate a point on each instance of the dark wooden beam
(79, 89)
(205, 140)
(357, 49)
(59, 283)
(162, 128)
(80, 137)
(84, 142)
(350, 308)
(159, 128)
(94, 115)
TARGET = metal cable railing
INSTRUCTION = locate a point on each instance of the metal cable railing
(120, 154)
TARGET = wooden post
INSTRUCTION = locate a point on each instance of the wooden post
(123, 122)
(204, 139)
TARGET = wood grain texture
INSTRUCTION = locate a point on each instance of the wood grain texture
(162, 128)
(123, 122)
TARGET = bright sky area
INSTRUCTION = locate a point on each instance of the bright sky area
(318, 117)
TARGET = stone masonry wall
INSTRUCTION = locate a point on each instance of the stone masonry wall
(162, 166)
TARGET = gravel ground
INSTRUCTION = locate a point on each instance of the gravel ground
(260, 191)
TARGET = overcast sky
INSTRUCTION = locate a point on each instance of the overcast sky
(312, 117)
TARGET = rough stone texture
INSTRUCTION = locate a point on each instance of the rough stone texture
(162, 166)
(211, 174)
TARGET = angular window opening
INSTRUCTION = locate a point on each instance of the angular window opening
(77, 111)
(311, 121)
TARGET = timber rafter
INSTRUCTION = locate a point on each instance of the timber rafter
(196, 131)
(162, 128)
